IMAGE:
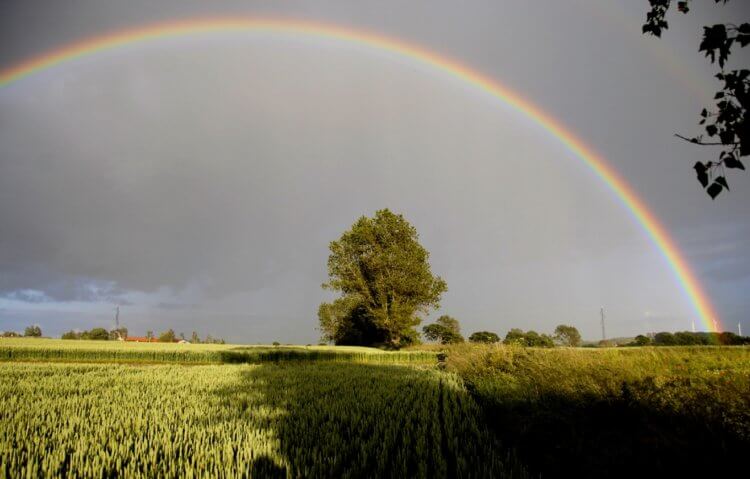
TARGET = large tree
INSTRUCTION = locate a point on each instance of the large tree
(385, 282)
(727, 124)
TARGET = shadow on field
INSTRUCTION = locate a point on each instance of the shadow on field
(559, 437)
(264, 466)
(357, 420)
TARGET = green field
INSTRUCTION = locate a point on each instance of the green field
(24, 349)
(100, 409)
(301, 420)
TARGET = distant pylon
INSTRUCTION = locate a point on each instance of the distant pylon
(739, 328)
(117, 323)
(693, 325)
(604, 333)
(716, 326)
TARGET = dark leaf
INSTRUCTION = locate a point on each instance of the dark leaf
(731, 162)
(719, 94)
(744, 28)
(700, 171)
(704, 113)
(711, 130)
(743, 133)
(722, 181)
(714, 190)
(715, 38)
(727, 137)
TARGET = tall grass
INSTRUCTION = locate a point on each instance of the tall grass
(613, 412)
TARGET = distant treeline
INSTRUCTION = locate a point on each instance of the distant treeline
(168, 336)
(99, 334)
(687, 338)
(33, 331)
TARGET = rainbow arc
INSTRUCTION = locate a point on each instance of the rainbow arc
(653, 228)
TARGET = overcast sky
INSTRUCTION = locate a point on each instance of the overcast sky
(197, 181)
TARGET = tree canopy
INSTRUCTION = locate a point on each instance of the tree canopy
(97, 334)
(385, 281)
(167, 336)
(568, 335)
(446, 330)
(33, 331)
(727, 123)
(529, 338)
(484, 337)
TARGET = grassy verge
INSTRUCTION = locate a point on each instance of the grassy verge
(615, 412)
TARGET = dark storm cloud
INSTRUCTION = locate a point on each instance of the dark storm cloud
(200, 180)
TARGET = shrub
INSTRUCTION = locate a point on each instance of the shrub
(530, 338)
(33, 331)
(568, 335)
(442, 334)
(484, 337)
(664, 339)
(167, 336)
(99, 334)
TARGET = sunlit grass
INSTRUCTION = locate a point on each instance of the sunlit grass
(32, 349)
(303, 420)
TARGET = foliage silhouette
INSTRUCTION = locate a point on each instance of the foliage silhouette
(728, 124)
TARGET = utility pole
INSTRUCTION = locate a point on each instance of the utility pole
(604, 334)
(117, 323)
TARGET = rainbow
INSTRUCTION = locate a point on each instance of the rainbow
(655, 231)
